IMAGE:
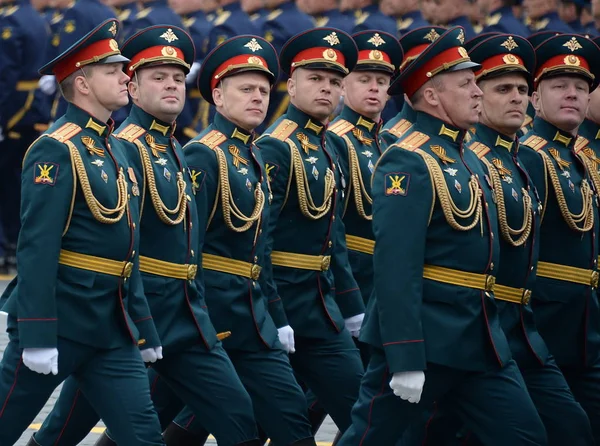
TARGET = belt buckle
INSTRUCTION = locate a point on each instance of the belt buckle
(325, 263)
(526, 297)
(192, 270)
(255, 271)
(127, 269)
(594, 279)
(490, 281)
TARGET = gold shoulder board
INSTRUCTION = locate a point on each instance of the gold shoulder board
(341, 127)
(131, 133)
(535, 142)
(213, 138)
(66, 132)
(284, 130)
(143, 13)
(414, 141)
(400, 128)
(480, 149)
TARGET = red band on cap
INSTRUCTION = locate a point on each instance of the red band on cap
(506, 60)
(566, 61)
(442, 61)
(318, 54)
(242, 61)
(153, 53)
(90, 54)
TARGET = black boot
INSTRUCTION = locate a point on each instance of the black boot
(175, 435)
(316, 418)
(32, 441)
(105, 440)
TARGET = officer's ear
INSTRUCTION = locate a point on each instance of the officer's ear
(431, 95)
(217, 94)
(536, 100)
(291, 86)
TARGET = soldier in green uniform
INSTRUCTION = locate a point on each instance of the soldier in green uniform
(307, 250)
(564, 300)
(195, 367)
(357, 144)
(412, 43)
(236, 78)
(432, 320)
(78, 307)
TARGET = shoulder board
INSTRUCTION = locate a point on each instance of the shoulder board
(222, 17)
(341, 127)
(320, 22)
(143, 13)
(580, 143)
(528, 120)
(479, 149)
(400, 128)
(274, 14)
(131, 133)
(66, 132)
(535, 142)
(124, 15)
(10, 11)
(538, 26)
(284, 130)
(212, 139)
(403, 24)
(493, 19)
(361, 18)
(413, 141)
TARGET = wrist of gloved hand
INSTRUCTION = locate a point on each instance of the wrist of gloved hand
(286, 337)
(354, 323)
(41, 360)
(408, 385)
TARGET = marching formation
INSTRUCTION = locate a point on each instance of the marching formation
(233, 238)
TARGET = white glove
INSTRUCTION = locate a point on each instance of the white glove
(408, 385)
(152, 354)
(193, 74)
(3, 323)
(286, 337)
(47, 84)
(354, 323)
(41, 360)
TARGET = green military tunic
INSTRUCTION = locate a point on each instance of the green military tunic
(397, 126)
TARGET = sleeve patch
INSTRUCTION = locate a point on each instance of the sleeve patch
(396, 183)
(272, 170)
(197, 176)
(45, 173)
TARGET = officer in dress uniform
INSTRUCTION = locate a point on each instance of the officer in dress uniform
(281, 23)
(543, 16)
(310, 270)
(412, 43)
(24, 112)
(327, 13)
(565, 301)
(78, 19)
(440, 256)
(407, 14)
(358, 147)
(78, 307)
(507, 62)
(241, 71)
(369, 16)
(450, 13)
(195, 367)
(569, 12)
(500, 18)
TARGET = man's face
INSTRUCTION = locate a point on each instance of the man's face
(347, 5)
(444, 10)
(108, 83)
(393, 7)
(243, 99)
(460, 98)
(504, 103)
(562, 101)
(365, 92)
(428, 11)
(184, 6)
(536, 8)
(251, 6)
(159, 91)
(315, 92)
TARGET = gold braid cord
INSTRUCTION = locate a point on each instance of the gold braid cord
(307, 205)
(592, 172)
(508, 232)
(448, 206)
(356, 181)
(101, 213)
(163, 212)
(228, 203)
(586, 216)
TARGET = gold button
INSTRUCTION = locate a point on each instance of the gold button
(132, 253)
(129, 196)
(330, 244)
(492, 266)
(492, 235)
(256, 258)
(192, 252)
(333, 218)
(531, 269)
(134, 226)
(260, 232)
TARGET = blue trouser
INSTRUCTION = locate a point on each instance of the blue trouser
(494, 405)
(114, 381)
(205, 380)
